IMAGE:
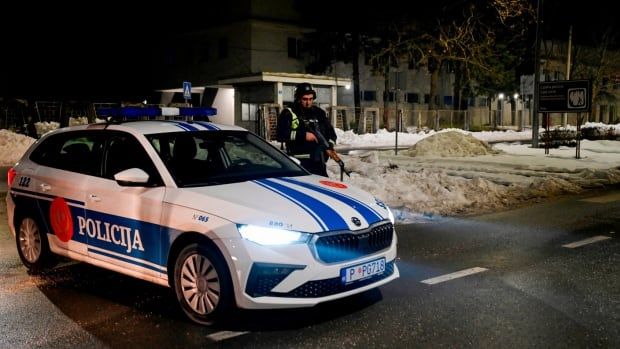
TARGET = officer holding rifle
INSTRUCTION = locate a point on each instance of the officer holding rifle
(307, 133)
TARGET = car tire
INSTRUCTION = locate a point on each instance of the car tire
(202, 284)
(32, 245)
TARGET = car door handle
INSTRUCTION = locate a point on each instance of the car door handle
(45, 187)
(94, 198)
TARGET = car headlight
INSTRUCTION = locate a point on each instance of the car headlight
(271, 236)
(390, 215)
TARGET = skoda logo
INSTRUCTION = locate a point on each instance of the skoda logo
(356, 221)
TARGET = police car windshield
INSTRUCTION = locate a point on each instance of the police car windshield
(202, 158)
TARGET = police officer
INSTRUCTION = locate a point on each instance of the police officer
(296, 128)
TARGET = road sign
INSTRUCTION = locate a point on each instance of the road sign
(566, 96)
(187, 90)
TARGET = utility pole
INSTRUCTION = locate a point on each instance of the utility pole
(536, 78)
(570, 42)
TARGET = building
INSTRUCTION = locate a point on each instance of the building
(258, 52)
(247, 63)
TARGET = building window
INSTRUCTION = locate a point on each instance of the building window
(482, 102)
(427, 98)
(447, 100)
(369, 95)
(222, 48)
(248, 111)
(413, 98)
(389, 96)
(294, 48)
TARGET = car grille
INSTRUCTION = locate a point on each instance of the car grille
(347, 245)
(327, 287)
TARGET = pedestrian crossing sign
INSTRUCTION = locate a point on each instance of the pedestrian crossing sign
(187, 90)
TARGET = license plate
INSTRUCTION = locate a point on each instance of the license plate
(362, 271)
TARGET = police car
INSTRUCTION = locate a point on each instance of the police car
(215, 212)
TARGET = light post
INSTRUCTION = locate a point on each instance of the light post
(518, 116)
(536, 77)
(500, 110)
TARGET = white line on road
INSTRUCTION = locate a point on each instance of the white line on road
(587, 241)
(455, 275)
(223, 335)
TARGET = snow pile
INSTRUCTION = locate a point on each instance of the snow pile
(46, 126)
(12, 147)
(451, 144)
(603, 128)
(80, 120)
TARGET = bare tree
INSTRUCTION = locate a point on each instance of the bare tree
(466, 34)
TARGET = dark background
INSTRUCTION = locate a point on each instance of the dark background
(104, 50)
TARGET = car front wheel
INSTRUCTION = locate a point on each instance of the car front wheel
(202, 284)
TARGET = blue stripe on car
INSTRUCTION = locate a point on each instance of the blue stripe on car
(305, 208)
(183, 125)
(126, 260)
(45, 196)
(207, 125)
(319, 210)
(371, 216)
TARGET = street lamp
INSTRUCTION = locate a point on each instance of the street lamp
(514, 115)
(500, 117)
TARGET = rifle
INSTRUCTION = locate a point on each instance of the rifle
(313, 127)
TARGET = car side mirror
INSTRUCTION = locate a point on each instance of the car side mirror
(132, 177)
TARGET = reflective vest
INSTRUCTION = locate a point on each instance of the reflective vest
(294, 124)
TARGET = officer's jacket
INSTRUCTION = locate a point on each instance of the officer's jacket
(292, 128)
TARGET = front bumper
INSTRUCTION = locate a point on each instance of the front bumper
(295, 276)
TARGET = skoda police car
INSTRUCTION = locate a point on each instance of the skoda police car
(215, 212)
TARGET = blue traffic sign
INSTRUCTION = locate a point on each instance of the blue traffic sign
(187, 90)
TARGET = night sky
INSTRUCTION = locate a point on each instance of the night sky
(105, 51)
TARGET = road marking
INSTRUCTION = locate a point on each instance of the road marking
(223, 335)
(603, 199)
(587, 241)
(455, 275)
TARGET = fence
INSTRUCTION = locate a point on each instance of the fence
(472, 119)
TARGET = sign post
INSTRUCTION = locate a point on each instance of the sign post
(565, 96)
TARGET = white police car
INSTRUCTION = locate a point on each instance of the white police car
(214, 212)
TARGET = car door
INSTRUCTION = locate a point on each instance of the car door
(64, 164)
(122, 221)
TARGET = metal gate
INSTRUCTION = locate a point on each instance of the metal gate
(266, 121)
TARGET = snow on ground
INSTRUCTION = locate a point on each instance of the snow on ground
(424, 186)
(451, 172)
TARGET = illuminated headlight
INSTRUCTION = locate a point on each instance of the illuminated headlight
(390, 215)
(271, 236)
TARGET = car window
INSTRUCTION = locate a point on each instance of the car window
(123, 152)
(70, 151)
(208, 158)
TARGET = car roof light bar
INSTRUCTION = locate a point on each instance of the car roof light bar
(153, 113)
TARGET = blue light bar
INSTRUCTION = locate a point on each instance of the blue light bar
(108, 112)
(134, 112)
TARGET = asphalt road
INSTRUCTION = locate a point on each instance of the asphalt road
(526, 290)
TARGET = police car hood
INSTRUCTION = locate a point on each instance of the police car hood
(306, 204)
